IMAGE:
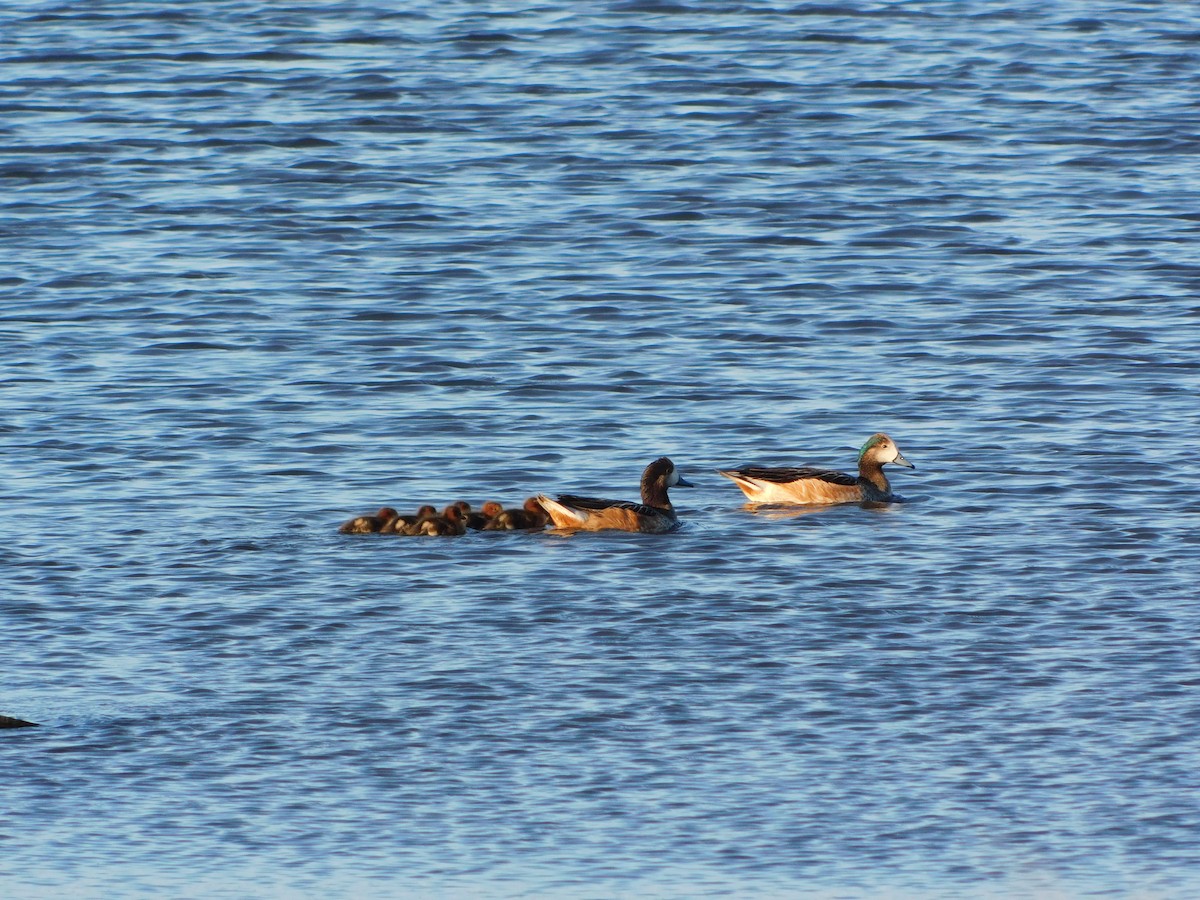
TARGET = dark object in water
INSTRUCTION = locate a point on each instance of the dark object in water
(9, 722)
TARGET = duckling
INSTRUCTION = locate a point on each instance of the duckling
(450, 523)
(370, 524)
(530, 515)
(812, 485)
(478, 521)
(401, 524)
(654, 515)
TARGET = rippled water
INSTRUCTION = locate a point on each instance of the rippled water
(271, 265)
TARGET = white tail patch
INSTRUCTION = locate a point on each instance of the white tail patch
(562, 516)
(751, 488)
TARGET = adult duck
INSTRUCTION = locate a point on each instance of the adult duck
(654, 515)
(813, 485)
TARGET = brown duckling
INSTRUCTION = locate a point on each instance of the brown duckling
(401, 524)
(530, 515)
(451, 522)
(478, 521)
(370, 524)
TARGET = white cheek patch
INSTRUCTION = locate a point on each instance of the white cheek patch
(673, 479)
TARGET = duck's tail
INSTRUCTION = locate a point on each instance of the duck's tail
(562, 516)
(748, 485)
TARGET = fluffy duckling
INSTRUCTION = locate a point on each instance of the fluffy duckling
(654, 515)
(478, 521)
(450, 523)
(530, 515)
(401, 524)
(370, 524)
(810, 485)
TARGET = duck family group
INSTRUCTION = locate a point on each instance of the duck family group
(806, 485)
(654, 514)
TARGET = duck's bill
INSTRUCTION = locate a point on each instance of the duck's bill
(901, 461)
(683, 483)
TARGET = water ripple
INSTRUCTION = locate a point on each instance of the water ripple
(273, 266)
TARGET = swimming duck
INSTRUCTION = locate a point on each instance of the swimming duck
(400, 524)
(370, 524)
(653, 515)
(478, 521)
(450, 523)
(530, 515)
(807, 484)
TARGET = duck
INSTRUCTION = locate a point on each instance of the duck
(401, 523)
(530, 515)
(811, 485)
(450, 523)
(478, 521)
(654, 515)
(370, 524)
(424, 514)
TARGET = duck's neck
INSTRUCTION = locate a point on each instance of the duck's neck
(871, 472)
(654, 493)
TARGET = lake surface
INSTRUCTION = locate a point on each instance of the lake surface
(268, 266)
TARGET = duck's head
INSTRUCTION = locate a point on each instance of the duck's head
(386, 514)
(426, 511)
(531, 505)
(491, 509)
(663, 472)
(881, 449)
(463, 506)
(455, 513)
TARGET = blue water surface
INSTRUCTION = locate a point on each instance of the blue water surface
(271, 265)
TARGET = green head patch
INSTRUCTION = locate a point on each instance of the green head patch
(873, 441)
